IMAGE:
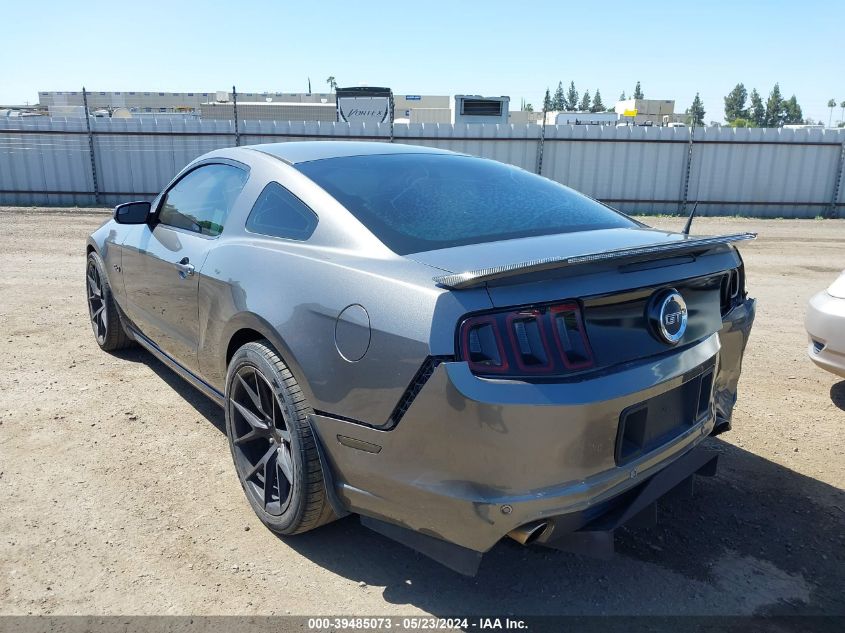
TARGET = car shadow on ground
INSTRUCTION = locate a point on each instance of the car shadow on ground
(758, 538)
(837, 394)
(202, 404)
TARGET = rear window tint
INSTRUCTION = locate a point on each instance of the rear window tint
(422, 202)
(279, 213)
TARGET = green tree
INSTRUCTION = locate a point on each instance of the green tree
(742, 123)
(735, 104)
(598, 106)
(757, 112)
(547, 102)
(792, 111)
(622, 96)
(831, 104)
(332, 83)
(696, 111)
(528, 107)
(572, 97)
(584, 106)
(559, 101)
(775, 113)
(842, 114)
(638, 92)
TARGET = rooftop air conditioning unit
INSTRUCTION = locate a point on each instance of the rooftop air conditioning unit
(477, 109)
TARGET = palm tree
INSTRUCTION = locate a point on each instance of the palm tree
(332, 83)
(831, 104)
(842, 114)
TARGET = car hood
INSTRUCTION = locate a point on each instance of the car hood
(460, 259)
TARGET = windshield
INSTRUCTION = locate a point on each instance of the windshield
(422, 202)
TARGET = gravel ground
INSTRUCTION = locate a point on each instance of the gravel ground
(118, 495)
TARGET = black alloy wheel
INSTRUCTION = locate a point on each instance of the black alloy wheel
(272, 442)
(96, 303)
(103, 314)
(261, 438)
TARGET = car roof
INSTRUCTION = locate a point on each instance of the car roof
(305, 151)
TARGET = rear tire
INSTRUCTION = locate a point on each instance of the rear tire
(272, 444)
(102, 310)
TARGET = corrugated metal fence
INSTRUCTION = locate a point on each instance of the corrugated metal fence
(761, 172)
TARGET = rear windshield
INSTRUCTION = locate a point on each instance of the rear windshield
(423, 202)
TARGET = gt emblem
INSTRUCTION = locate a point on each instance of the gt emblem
(667, 313)
(673, 317)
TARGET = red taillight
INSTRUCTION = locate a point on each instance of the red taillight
(545, 341)
(481, 345)
(571, 336)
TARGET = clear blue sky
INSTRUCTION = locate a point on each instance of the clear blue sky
(430, 47)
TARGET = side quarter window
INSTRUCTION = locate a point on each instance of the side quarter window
(279, 213)
(201, 201)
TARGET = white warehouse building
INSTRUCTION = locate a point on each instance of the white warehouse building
(141, 101)
(215, 104)
(270, 111)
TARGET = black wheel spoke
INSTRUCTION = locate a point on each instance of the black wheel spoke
(285, 462)
(253, 420)
(249, 437)
(93, 288)
(96, 316)
(265, 398)
(259, 466)
(270, 480)
(256, 400)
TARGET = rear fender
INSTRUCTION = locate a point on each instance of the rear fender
(212, 352)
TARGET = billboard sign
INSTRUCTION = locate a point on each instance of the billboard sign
(370, 105)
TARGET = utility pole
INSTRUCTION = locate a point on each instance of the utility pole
(91, 146)
(235, 106)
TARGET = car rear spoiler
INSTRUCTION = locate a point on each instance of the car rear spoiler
(469, 279)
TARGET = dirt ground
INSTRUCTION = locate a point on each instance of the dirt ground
(117, 494)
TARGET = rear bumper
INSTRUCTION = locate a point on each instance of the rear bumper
(473, 459)
(825, 322)
(637, 507)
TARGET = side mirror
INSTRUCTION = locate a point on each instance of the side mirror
(132, 212)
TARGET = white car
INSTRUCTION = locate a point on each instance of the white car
(825, 324)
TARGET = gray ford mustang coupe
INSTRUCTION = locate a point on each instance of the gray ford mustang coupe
(452, 348)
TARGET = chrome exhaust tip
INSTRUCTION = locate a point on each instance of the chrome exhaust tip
(528, 533)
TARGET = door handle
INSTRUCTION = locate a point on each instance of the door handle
(185, 268)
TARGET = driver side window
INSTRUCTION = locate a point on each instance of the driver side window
(201, 201)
